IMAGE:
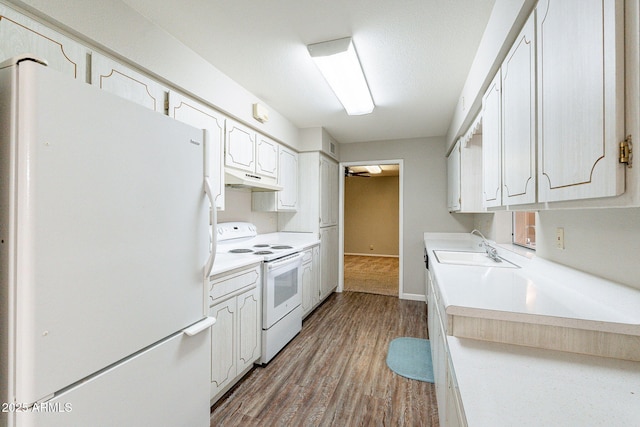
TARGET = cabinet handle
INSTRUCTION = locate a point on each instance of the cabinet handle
(213, 210)
(200, 326)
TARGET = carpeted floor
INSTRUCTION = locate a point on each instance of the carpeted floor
(374, 275)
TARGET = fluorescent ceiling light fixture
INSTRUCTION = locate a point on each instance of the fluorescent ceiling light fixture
(338, 62)
(373, 169)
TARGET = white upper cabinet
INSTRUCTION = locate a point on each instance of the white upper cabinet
(453, 179)
(288, 179)
(266, 156)
(203, 117)
(491, 145)
(240, 147)
(121, 80)
(328, 192)
(285, 200)
(464, 171)
(20, 35)
(580, 98)
(251, 152)
(519, 119)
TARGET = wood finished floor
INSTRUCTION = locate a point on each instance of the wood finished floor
(334, 372)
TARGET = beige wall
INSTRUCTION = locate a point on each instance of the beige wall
(424, 196)
(371, 213)
(604, 242)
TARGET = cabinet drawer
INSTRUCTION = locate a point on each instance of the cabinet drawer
(307, 256)
(231, 284)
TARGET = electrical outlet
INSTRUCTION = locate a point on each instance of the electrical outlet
(560, 238)
(370, 247)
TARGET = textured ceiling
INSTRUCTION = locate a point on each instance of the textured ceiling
(416, 55)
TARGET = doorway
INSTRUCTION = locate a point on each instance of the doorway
(371, 227)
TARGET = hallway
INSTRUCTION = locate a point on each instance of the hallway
(371, 274)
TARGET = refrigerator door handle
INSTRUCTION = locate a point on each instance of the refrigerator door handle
(200, 326)
(212, 220)
(213, 211)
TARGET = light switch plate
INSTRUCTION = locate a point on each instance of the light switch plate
(560, 238)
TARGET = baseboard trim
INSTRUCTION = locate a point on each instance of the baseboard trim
(378, 255)
(413, 297)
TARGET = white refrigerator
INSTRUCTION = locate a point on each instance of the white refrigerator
(104, 243)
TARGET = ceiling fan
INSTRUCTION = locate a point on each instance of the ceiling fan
(349, 172)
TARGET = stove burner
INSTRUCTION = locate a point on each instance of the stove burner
(263, 253)
(261, 245)
(281, 247)
(240, 251)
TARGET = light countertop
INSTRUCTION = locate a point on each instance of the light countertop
(513, 385)
(509, 385)
(539, 291)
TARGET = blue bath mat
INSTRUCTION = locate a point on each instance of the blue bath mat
(411, 358)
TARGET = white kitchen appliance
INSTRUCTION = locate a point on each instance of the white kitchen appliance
(281, 278)
(104, 238)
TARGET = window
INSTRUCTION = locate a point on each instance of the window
(524, 229)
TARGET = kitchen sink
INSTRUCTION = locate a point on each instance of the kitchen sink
(471, 258)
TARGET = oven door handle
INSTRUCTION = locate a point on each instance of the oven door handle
(289, 259)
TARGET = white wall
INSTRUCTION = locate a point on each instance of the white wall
(603, 242)
(425, 196)
(238, 208)
(496, 226)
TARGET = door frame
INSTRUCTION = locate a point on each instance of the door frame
(400, 164)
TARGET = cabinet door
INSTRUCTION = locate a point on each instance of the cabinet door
(325, 192)
(580, 98)
(240, 143)
(328, 192)
(491, 152)
(288, 179)
(471, 175)
(334, 178)
(266, 157)
(315, 285)
(453, 179)
(329, 261)
(249, 329)
(119, 79)
(454, 413)
(223, 353)
(518, 120)
(203, 117)
(307, 284)
(20, 35)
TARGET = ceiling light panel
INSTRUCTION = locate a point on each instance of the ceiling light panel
(338, 62)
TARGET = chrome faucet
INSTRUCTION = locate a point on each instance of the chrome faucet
(491, 251)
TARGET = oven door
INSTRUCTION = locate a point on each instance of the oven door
(282, 288)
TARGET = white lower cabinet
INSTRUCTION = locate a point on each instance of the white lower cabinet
(310, 279)
(453, 415)
(329, 261)
(235, 302)
(450, 410)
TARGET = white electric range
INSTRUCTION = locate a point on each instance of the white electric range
(280, 253)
